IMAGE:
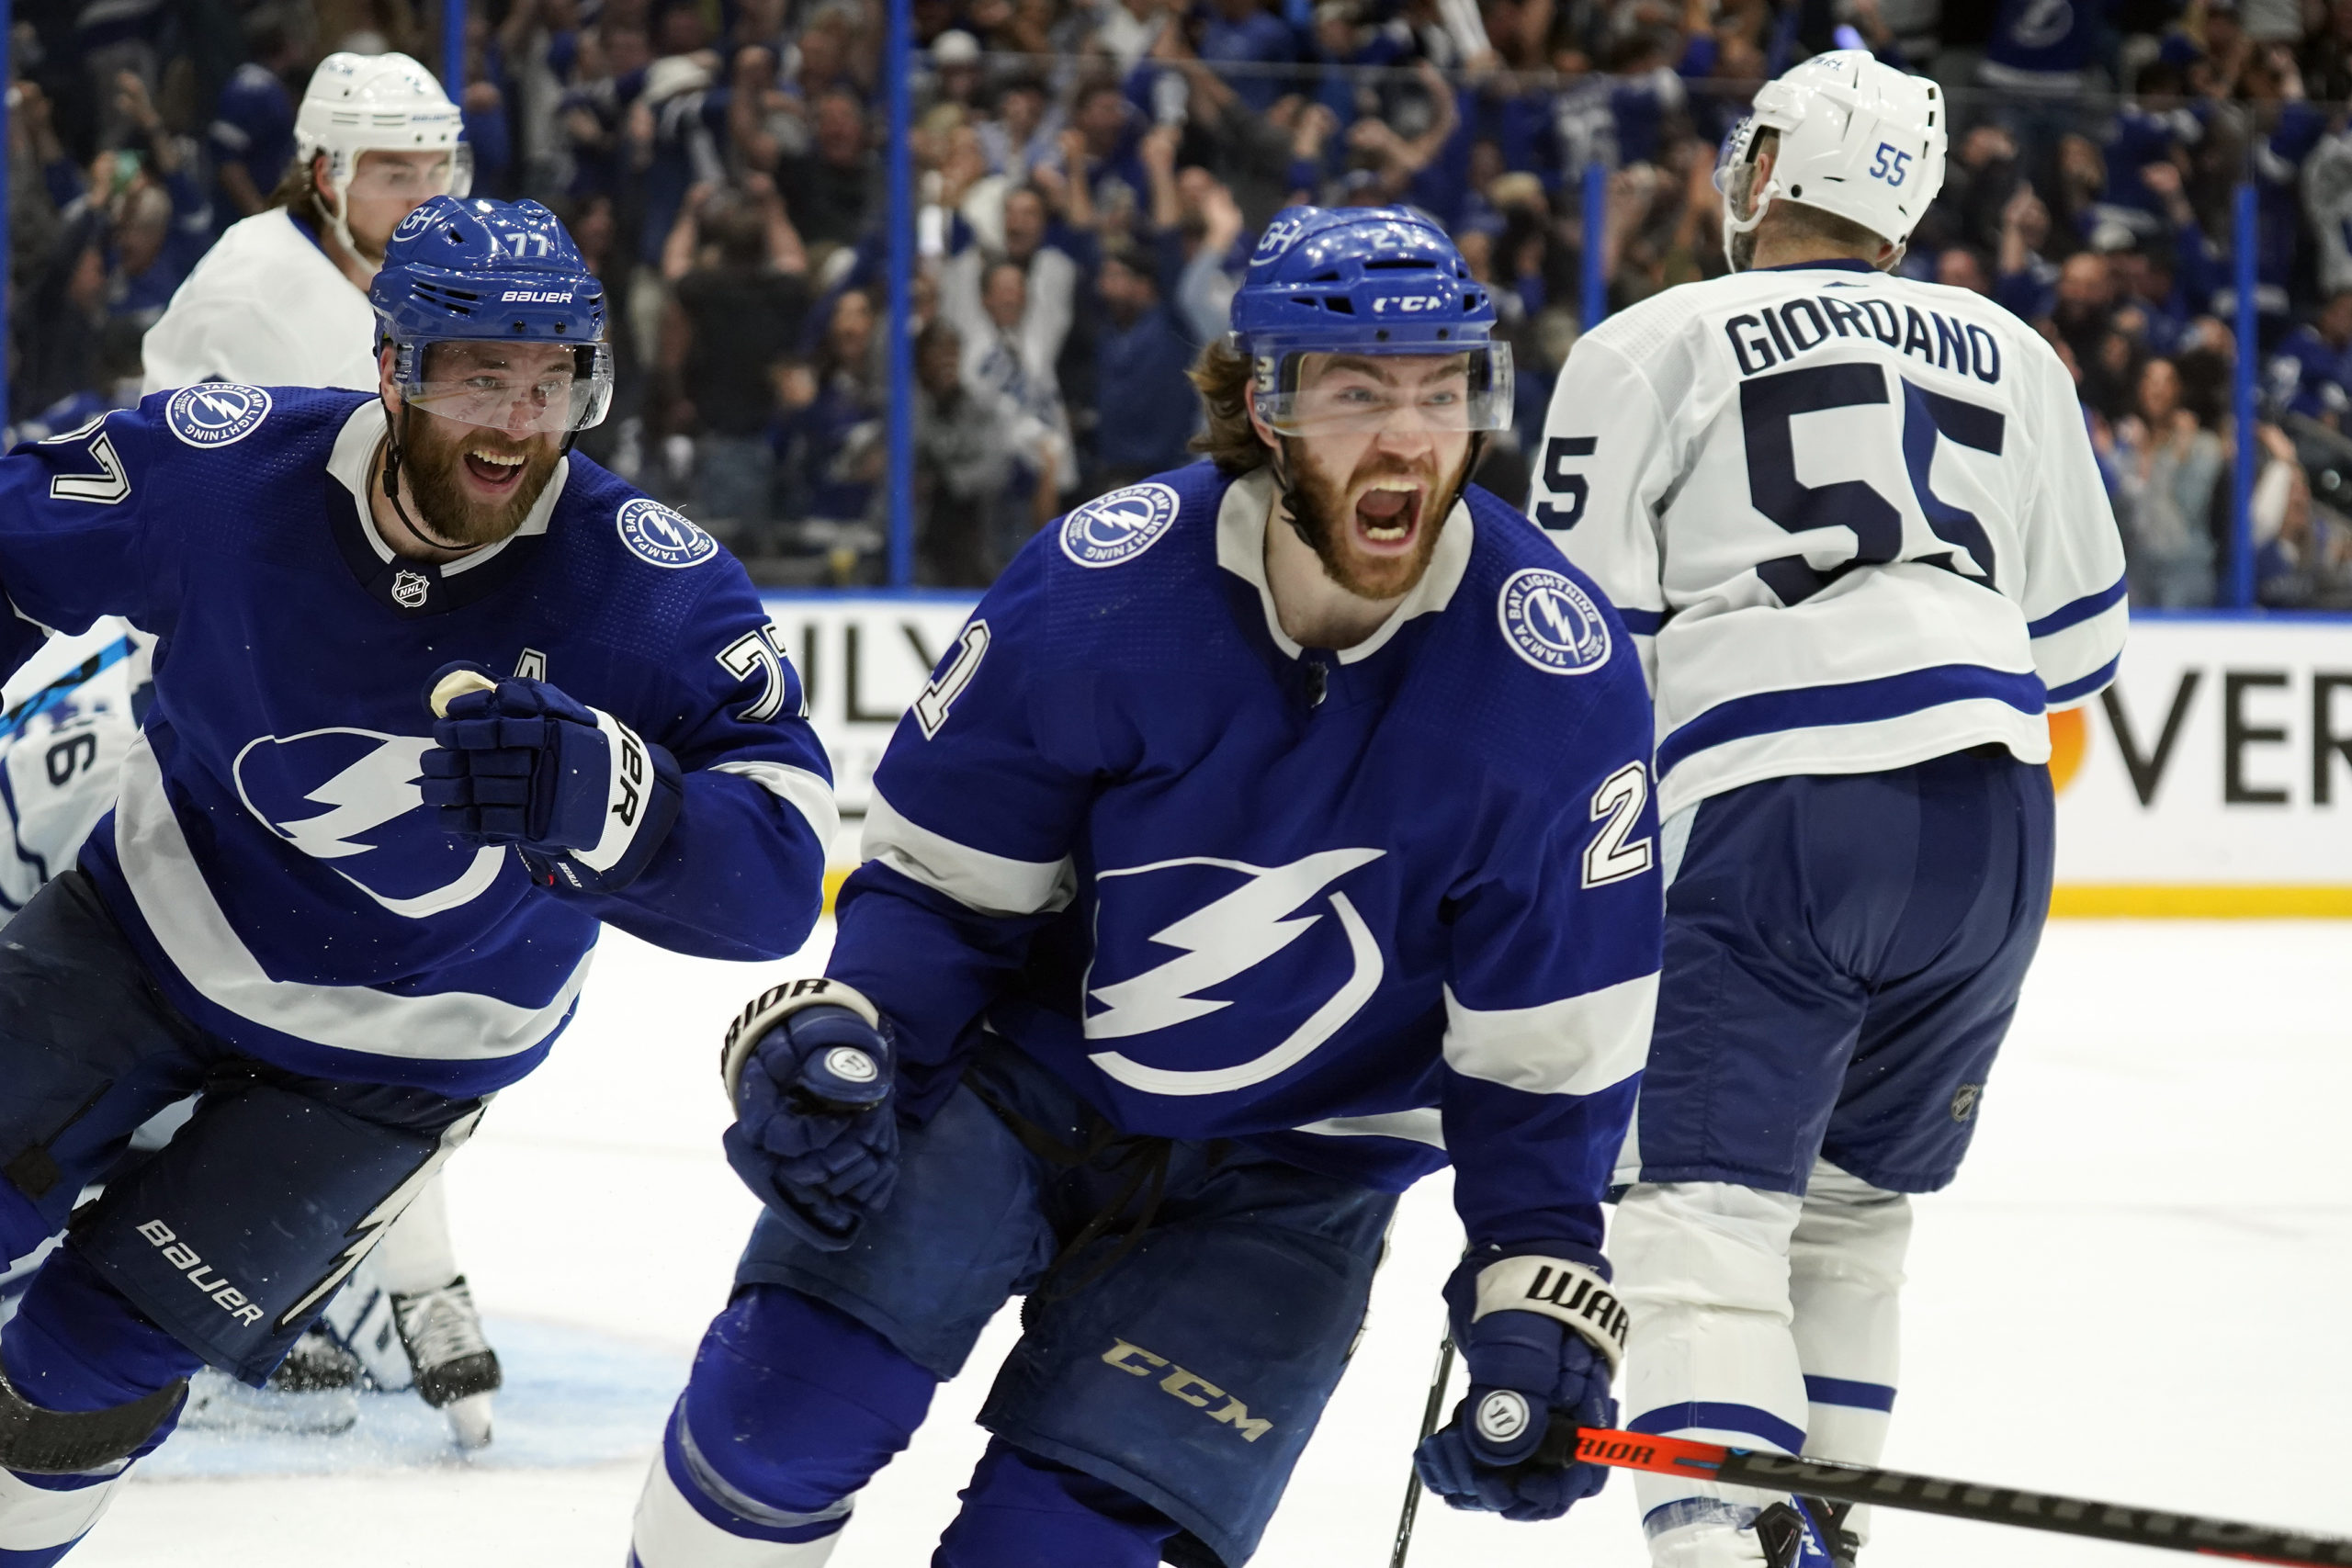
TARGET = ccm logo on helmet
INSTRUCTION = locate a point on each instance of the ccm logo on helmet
(536, 297)
(1407, 305)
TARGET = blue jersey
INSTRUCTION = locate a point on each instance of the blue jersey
(1354, 910)
(269, 855)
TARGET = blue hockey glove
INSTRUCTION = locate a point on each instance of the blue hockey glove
(583, 799)
(1542, 1337)
(808, 1068)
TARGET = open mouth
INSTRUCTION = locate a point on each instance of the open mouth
(1387, 515)
(495, 470)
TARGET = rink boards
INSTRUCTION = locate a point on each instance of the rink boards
(2209, 780)
(2213, 778)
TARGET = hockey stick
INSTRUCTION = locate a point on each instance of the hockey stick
(1429, 1424)
(1961, 1499)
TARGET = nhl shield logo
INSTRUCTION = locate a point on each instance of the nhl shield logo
(216, 414)
(1551, 622)
(660, 536)
(1119, 526)
(1964, 1101)
(409, 589)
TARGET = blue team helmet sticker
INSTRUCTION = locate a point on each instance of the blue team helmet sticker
(1551, 622)
(1119, 526)
(216, 414)
(660, 536)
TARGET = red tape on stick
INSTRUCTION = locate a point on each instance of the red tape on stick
(2016, 1506)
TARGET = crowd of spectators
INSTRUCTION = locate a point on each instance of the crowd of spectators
(1091, 174)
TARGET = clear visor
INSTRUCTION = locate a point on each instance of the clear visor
(1366, 394)
(1732, 156)
(513, 388)
(412, 176)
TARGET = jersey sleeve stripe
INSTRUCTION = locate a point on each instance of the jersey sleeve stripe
(1424, 1126)
(983, 882)
(2081, 610)
(1576, 1045)
(2096, 679)
(1643, 623)
(796, 787)
(1855, 702)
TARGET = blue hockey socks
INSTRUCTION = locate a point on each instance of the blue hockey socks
(1022, 1511)
(792, 1407)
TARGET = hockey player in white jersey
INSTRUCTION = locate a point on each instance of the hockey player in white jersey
(1854, 524)
(282, 300)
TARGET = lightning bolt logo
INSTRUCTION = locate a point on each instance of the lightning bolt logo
(228, 410)
(1226, 937)
(378, 787)
(363, 1237)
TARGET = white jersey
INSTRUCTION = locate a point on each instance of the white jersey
(1853, 521)
(266, 308)
(61, 746)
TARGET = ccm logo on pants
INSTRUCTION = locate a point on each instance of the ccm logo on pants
(1181, 1384)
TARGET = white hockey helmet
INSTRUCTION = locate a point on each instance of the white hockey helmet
(377, 103)
(1856, 137)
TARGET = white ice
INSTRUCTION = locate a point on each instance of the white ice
(2135, 1292)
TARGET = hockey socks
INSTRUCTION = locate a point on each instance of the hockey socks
(1021, 1509)
(77, 1345)
(792, 1407)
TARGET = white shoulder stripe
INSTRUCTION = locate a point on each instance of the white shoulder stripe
(796, 787)
(991, 884)
(1576, 1045)
(453, 1026)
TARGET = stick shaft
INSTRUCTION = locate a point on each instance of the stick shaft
(1963, 1500)
(1429, 1412)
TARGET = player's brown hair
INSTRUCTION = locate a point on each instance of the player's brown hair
(298, 192)
(1222, 375)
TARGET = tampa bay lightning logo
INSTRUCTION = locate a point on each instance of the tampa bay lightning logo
(350, 798)
(660, 536)
(1119, 526)
(1551, 622)
(216, 414)
(1275, 939)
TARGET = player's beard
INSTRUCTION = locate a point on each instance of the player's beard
(431, 453)
(1320, 509)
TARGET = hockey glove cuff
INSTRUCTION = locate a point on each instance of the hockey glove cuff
(1541, 1336)
(807, 1068)
(584, 799)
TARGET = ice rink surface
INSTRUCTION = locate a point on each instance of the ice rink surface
(2135, 1292)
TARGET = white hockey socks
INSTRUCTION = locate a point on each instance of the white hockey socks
(1704, 1268)
(1845, 1276)
(38, 1515)
(415, 1254)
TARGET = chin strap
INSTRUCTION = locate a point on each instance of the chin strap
(393, 489)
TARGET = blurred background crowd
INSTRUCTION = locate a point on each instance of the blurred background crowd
(1092, 176)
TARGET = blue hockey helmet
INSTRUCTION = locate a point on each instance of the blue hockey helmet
(1365, 281)
(492, 272)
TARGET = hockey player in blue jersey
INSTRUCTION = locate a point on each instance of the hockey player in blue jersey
(344, 921)
(1276, 826)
